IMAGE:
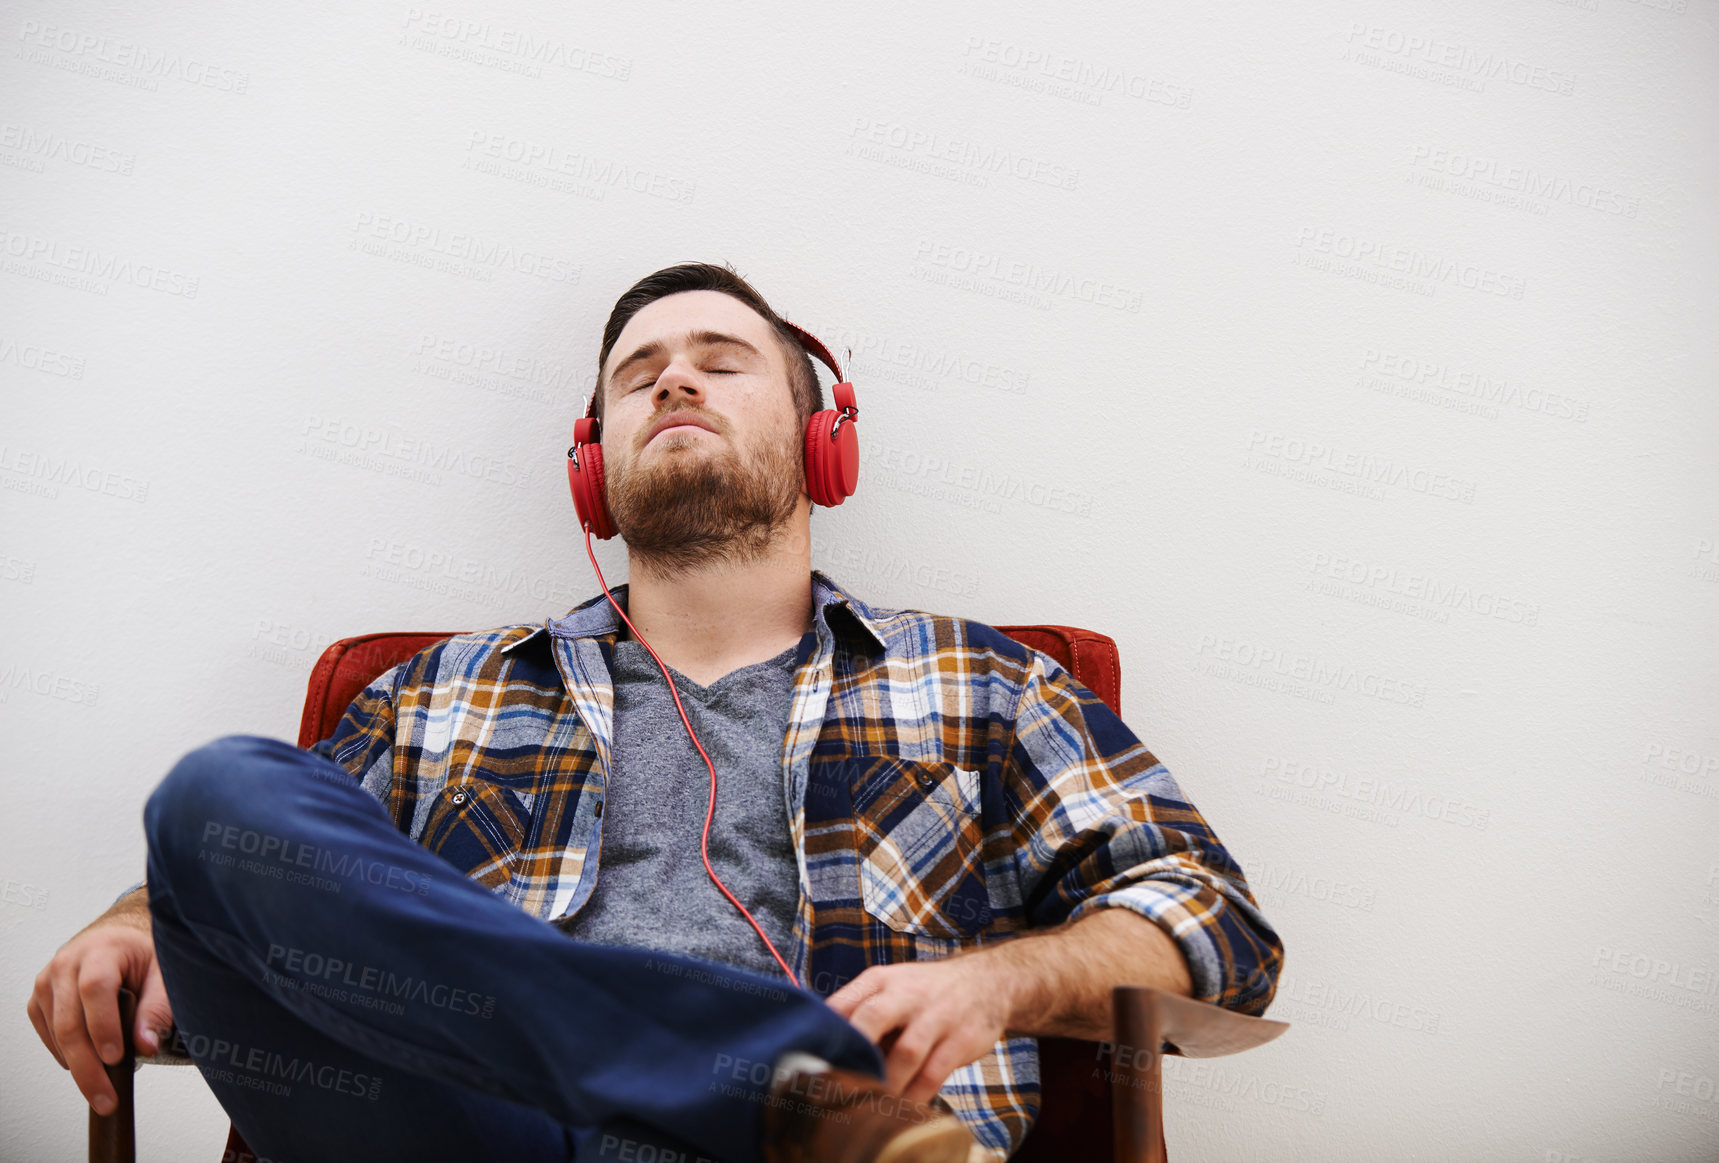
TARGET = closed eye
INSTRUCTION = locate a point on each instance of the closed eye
(721, 371)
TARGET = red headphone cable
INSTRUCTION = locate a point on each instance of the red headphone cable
(710, 812)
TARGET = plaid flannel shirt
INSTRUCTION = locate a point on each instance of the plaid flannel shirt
(947, 787)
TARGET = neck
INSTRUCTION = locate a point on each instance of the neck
(717, 617)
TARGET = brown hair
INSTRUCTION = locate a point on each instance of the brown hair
(703, 276)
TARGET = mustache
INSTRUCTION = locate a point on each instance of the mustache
(704, 414)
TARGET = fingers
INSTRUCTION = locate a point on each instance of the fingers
(99, 990)
(925, 1027)
(41, 1009)
(944, 1060)
(74, 1006)
(72, 1035)
(856, 992)
(909, 1053)
(154, 1012)
(881, 1012)
(929, 1045)
(886, 1010)
(906, 1029)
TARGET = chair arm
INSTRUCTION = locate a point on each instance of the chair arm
(113, 1137)
(1197, 1029)
(1146, 1019)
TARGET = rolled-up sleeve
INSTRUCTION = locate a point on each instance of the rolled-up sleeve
(1100, 823)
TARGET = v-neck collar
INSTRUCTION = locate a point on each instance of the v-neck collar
(782, 660)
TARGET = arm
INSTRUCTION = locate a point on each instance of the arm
(1099, 830)
(133, 902)
(1059, 984)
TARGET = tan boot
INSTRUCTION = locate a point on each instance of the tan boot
(836, 1116)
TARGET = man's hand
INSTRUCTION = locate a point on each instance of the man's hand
(932, 1017)
(929, 1017)
(75, 1005)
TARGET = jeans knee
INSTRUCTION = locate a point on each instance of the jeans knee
(204, 794)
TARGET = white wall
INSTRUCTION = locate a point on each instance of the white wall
(1351, 364)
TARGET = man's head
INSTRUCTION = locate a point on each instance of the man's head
(696, 347)
(703, 276)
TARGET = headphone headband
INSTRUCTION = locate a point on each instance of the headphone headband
(816, 347)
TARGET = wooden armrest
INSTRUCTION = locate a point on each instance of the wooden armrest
(1146, 1019)
(113, 1137)
(1197, 1029)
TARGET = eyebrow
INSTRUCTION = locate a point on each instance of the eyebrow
(656, 348)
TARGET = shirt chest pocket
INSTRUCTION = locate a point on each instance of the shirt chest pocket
(918, 834)
(479, 828)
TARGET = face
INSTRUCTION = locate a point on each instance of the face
(702, 449)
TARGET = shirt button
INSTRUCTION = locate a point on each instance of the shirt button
(458, 797)
(599, 809)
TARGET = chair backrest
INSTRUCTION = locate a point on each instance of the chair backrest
(1074, 1120)
(345, 668)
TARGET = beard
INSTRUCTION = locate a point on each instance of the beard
(690, 508)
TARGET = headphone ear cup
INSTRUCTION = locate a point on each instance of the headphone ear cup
(844, 462)
(832, 466)
(604, 523)
(817, 457)
(817, 435)
(585, 480)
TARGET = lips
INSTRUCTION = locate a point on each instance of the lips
(679, 419)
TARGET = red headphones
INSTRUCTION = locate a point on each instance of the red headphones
(832, 450)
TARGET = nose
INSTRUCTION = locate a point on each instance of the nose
(678, 379)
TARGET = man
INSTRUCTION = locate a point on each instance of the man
(954, 846)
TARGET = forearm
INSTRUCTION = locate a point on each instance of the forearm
(1059, 982)
(132, 908)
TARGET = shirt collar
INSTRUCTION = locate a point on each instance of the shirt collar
(596, 618)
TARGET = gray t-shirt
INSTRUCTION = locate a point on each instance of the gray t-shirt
(652, 889)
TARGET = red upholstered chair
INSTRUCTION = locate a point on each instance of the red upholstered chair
(1101, 1101)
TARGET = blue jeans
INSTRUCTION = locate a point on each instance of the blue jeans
(348, 994)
